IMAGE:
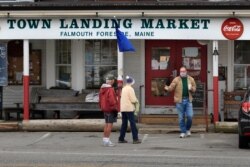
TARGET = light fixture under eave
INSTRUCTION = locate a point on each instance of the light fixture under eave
(215, 53)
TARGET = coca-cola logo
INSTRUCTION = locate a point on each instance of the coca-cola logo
(232, 28)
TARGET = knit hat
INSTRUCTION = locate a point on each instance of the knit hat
(130, 80)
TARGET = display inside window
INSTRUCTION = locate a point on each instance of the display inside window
(160, 58)
(242, 52)
(241, 77)
(100, 60)
(242, 65)
(63, 76)
(15, 68)
(191, 59)
(157, 86)
(96, 75)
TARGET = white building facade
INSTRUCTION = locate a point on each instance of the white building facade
(78, 48)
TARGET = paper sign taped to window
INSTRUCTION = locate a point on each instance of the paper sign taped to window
(191, 52)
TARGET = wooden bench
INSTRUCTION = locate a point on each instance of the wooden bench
(232, 102)
(44, 100)
(57, 100)
(18, 110)
(18, 107)
(7, 111)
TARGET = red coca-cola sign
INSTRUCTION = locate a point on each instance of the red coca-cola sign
(232, 28)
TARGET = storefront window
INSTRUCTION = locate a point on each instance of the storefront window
(242, 65)
(15, 64)
(63, 63)
(191, 59)
(160, 58)
(100, 60)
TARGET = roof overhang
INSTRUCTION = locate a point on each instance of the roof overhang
(126, 13)
(127, 5)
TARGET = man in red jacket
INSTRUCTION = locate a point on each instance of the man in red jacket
(109, 105)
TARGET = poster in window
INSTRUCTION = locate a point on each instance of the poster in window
(197, 64)
(154, 64)
(164, 62)
(190, 52)
(186, 62)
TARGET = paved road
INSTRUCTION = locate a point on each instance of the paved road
(26, 149)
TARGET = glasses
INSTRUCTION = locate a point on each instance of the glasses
(183, 71)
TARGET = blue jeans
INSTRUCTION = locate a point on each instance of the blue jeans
(128, 116)
(185, 109)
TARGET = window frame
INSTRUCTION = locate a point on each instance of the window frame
(63, 50)
(239, 77)
(95, 78)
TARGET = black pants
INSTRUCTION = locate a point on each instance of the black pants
(128, 116)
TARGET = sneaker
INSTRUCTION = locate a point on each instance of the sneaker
(122, 141)
(138, 141)
(188, 133)
(182, 135)
(108, 144)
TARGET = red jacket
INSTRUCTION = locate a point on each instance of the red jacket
(107, 99)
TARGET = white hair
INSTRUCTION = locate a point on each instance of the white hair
(108, 81)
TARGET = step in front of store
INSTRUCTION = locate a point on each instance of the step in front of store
(165, 129)
(163, 124)
(171, 119)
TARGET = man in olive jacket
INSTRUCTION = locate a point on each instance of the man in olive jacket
(183, 86)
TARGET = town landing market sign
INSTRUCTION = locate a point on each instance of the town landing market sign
(101, 28)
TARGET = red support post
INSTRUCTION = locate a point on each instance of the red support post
(215, 81)
(26, 79)
(26, 97)
(216, 99)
